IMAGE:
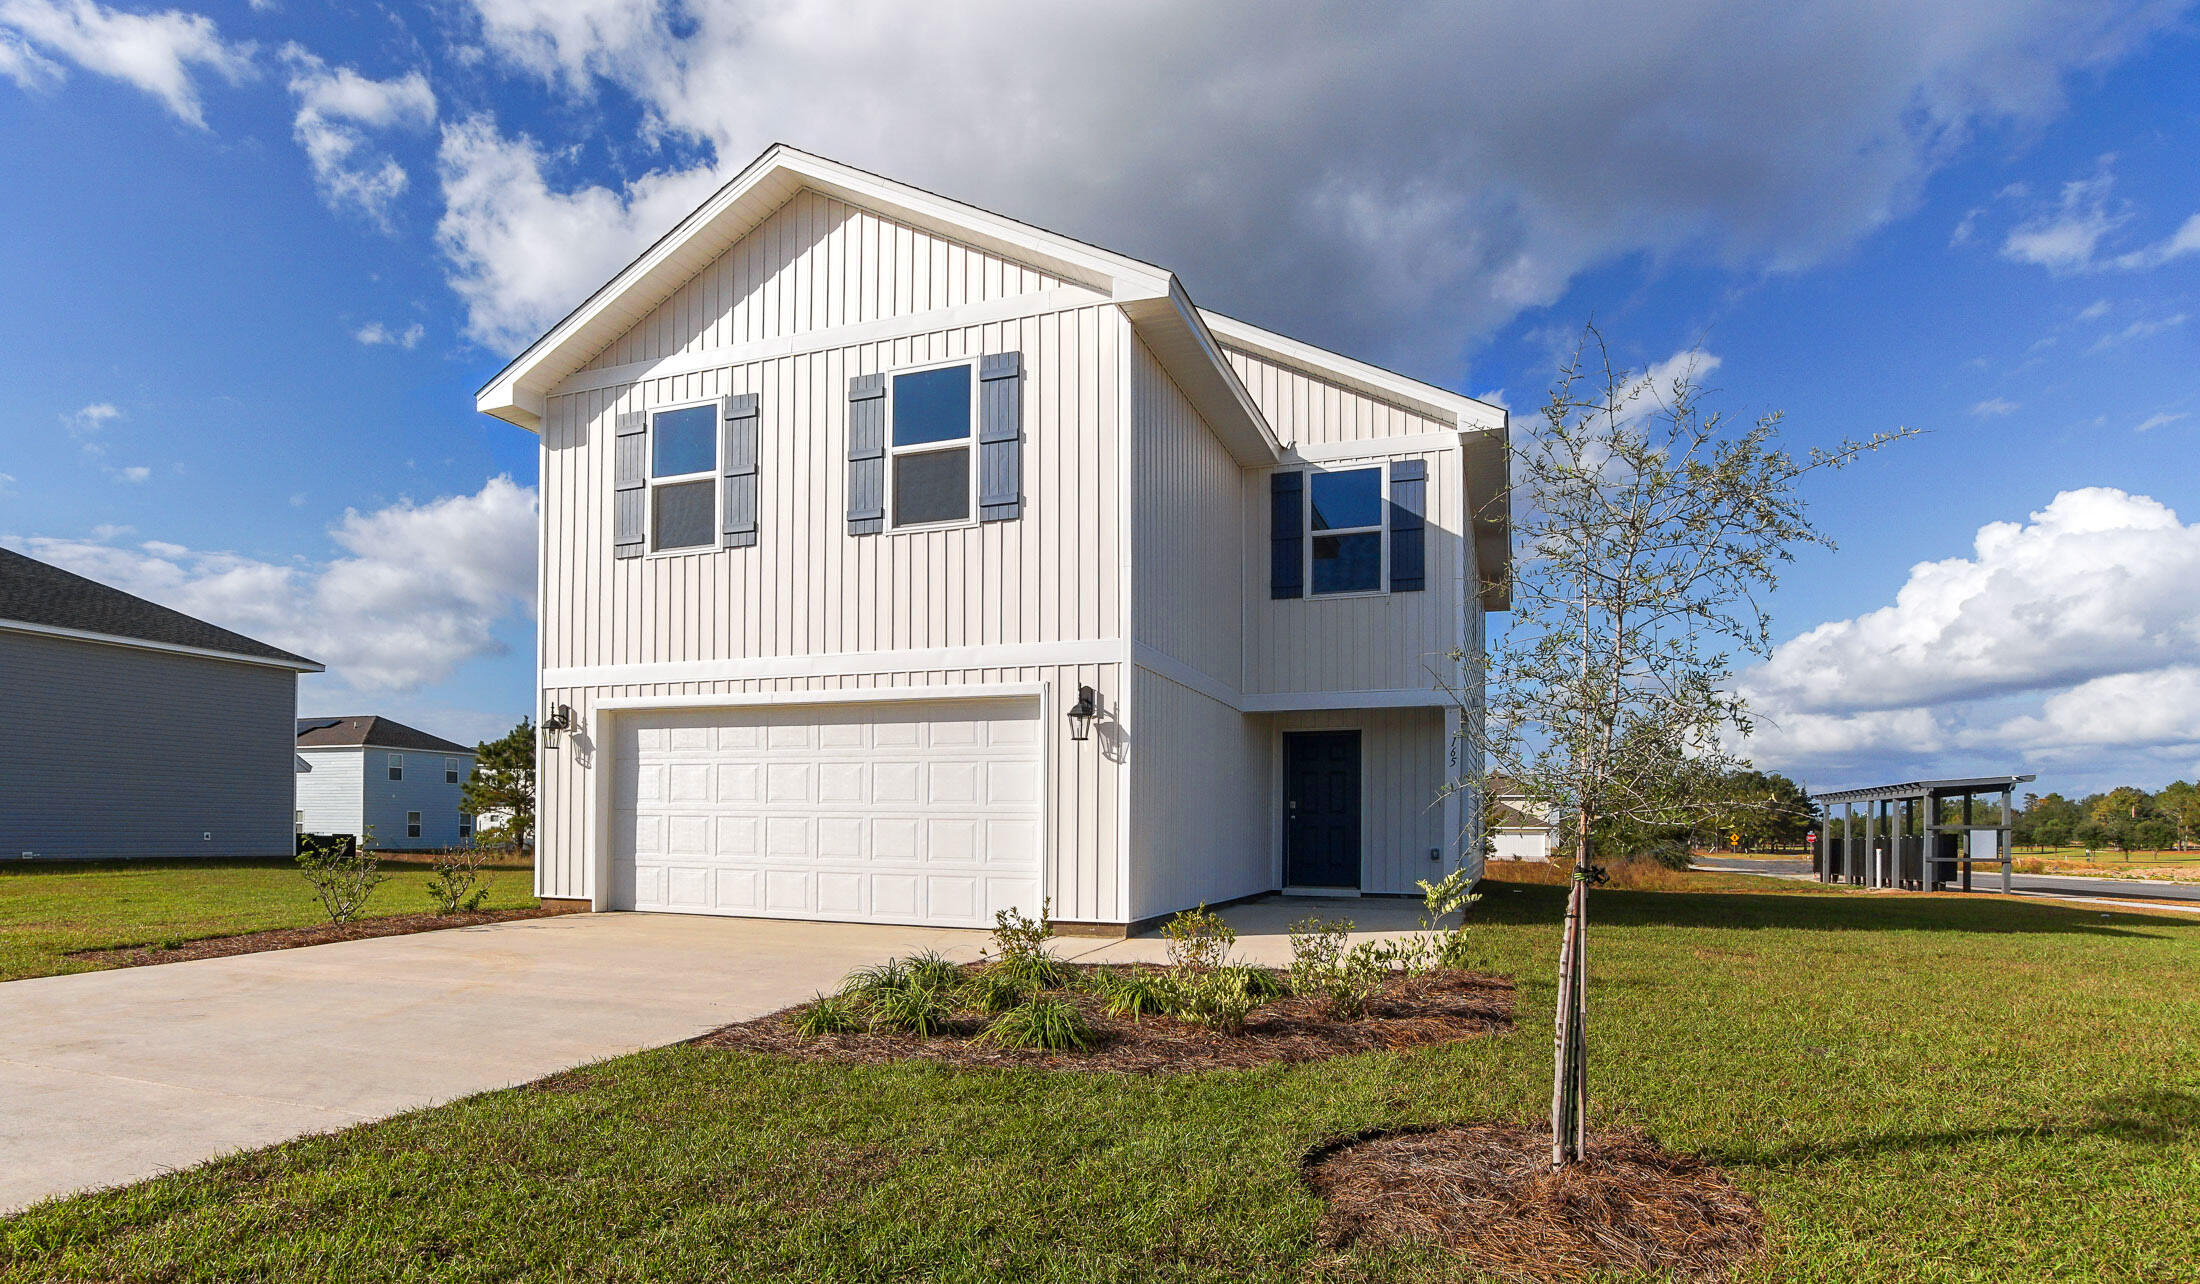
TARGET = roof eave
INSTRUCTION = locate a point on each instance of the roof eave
(1176, 331)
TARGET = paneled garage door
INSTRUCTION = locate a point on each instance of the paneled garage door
(896, 812)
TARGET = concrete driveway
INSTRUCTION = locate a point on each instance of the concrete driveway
(109, 1077)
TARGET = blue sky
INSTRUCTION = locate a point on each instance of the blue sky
(258, 256)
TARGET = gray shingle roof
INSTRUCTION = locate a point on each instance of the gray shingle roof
(368, 729)
(35, 592)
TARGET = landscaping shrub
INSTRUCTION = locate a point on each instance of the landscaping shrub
(1198, 939)
(343, 874)
(913, 1009)
(1346, 980)
(933, 970)
(1038, 1023)
(456, 886)
(866, 984)
(1134, 994)
(1219, 998)
(994, 990)
(827, 1014)
(1022, 949)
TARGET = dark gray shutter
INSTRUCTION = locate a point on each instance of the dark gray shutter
(1286, 534)
(867, 454)
(630, 485)
(1000, 436)
(1408, 525)
(737, 422)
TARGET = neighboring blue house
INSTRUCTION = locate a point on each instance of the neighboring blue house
(357, 774)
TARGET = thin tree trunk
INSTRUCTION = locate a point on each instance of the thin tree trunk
(1570, 1041)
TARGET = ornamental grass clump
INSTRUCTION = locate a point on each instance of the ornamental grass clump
(866, 984)
(827, 1014)
(1047, 1023)
(918, 1010)
(1134, 994)
(932, 970)
(994, 990)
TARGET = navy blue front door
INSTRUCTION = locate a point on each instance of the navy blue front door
(1321, 816)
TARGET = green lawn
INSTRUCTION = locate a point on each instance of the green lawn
(1915, 1088)
(48, 910)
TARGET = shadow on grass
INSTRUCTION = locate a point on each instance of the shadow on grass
(2158, 1118)
(1504, 902)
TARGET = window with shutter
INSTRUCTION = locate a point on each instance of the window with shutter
(737, 506)
(683, 478)
(1286, 534)
(1408, 525)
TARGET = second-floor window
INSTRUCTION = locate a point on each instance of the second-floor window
(1344, 526)
(397, 766)
(929, 430)
(450, 771)
(683, 478)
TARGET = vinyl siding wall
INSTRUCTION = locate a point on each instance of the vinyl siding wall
(1189, 497)
(1306, 409)
(384, 801)
(116, 752)
(1403, 766)
(1202, 823)
(836, 609)
(330, 793)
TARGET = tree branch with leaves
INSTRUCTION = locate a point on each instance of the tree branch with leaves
(1650, 529)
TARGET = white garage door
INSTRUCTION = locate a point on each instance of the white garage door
(890, 813)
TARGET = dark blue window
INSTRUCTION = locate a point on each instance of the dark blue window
(1348, 500)
(932, 405)
(1348, 563)
(684, 441)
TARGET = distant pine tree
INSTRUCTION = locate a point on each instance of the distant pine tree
(500, 795)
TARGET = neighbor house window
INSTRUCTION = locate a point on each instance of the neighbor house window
(1344, 522)
(450, 771)
(683, 478)
(397, 766)
(929, 419)
(412, 824)
(465, 825)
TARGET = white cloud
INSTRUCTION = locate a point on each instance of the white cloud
(2094, 311)
(110, 531)
(336, 108)
(2037, 639)
(522, 255)
(1995, 408)
(133, 474)
(2064, 238)
(374, 333)
(2185, 240)
(89, 421)
(2163, 420)
(419, 589)
(2136, 331)
(1407, 210)
(156, 52)
(6, 480)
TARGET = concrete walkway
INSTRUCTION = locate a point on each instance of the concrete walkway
(110, 1077)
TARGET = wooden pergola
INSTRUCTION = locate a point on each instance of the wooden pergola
(1904, 844)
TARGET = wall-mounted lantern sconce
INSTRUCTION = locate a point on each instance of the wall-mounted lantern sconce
(1081, 714)
(556, 719)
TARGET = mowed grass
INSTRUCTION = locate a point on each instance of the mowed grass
(48, 910)
(1915, 1089)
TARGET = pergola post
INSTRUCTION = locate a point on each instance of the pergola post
(1871, 842)
(1848, 844)
(1966, 840)
(2002, 844)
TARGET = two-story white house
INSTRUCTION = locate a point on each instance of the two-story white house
(374, 776)
(904, 563)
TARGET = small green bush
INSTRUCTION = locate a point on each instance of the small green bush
(343, 874)
(1022, 948)
(1134, 994)
(867, 983)
(1039, 1023)
(1198, 939)
(1346, 980)
(995, 990)
(1036, 971)
(1219, 998)
(456, 886)
(932, 970)
(912, 1009)
(827, 1014)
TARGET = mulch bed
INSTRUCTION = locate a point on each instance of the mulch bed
(291, 938)
(1488, 1193)
(1412, 1012)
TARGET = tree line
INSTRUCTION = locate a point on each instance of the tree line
(2125, 819)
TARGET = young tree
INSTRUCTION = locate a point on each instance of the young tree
(1648, 531)
(503, 785)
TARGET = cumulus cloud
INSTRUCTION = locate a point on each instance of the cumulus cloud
(1407, 210)
(159, 53)
(375, 334)
(2055, 631)
(419, 589)
(2067, 236)
(336, 108)
(133, 474)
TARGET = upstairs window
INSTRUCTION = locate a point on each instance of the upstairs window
(1344, 522)
(683, 478)
(930, 417)
(397, 766)
(450, 771)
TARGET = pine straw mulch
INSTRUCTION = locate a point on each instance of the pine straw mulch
(1488, 1193)
(291, 938)
(1412, 1012)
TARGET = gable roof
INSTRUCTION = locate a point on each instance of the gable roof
(39, 597)
(355, 731)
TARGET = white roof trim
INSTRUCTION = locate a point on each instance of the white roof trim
(1386, 385)
(147, 644)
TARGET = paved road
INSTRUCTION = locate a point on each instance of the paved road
(2042, 884)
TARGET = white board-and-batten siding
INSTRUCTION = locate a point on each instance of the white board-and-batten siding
(332, 791)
